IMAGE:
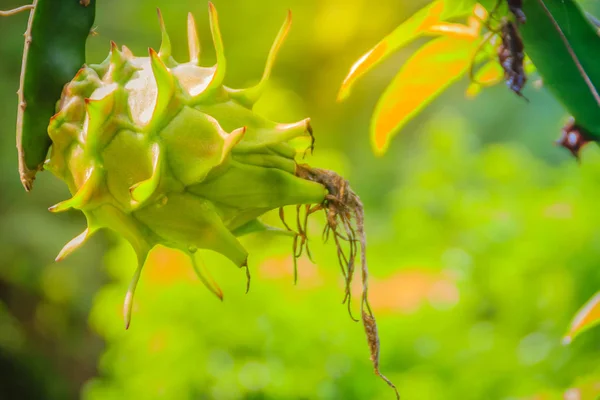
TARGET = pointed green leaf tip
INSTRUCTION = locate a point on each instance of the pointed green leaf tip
(165, 45)
(143, 191)
(204, 275)
(165, 83)
(83, 195)
(74, 244)
(221, 65)
(163, 154)
(128, 303)
(193, 41)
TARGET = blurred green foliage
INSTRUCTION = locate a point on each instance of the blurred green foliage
(483, 242)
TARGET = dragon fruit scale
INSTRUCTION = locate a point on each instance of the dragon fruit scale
(164, 153)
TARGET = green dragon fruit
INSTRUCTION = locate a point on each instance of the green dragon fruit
(164, 153)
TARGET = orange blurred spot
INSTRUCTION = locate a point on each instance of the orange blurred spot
(559, 211)
(283, 268)
(168, 266)
(407, 290)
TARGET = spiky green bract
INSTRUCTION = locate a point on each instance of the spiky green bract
(163, 153)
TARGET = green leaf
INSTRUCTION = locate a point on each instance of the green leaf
(548, 39)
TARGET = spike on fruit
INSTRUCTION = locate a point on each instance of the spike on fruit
(142, 191)
(221, 66)
(83, 195)
(128, 303)
(127, 52)
(204, 275)
(74, 244)
(115, 54)
(193, 41)
(165, 45)
(165, 83)
(251, 95)
(230, 141)
(119, 68)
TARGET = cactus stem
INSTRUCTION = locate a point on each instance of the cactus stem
(165, 45)
(251, 95)
(193, 42)
(26, 174)
(204, 275)
(16, 10)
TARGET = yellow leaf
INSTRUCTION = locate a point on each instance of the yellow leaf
(411, 29)
(426, 21)
(427, 73)
(587, 317)
(469, 31)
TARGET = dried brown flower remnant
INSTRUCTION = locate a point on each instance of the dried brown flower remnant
(515, 7)
(345, 222)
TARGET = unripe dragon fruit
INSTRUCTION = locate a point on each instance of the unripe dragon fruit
(164, 153)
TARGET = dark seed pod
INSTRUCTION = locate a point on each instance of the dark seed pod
(515, 7)
(573, 138)
(511, 55)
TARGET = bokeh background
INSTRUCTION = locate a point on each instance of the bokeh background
(483, 237)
